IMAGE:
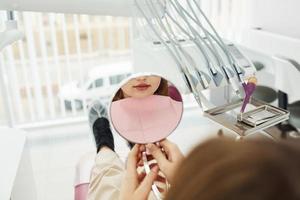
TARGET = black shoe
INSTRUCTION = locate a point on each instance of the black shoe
(100, 126)
(102, 134)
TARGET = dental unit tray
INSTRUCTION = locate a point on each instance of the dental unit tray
(259, 116)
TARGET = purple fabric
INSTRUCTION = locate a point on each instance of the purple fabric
(249, 89)
(174, 94)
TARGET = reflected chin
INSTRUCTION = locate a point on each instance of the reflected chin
(141, 95)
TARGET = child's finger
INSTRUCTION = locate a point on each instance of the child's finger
(145, 187)
(132, 160)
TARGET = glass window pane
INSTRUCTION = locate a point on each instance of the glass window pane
(113, 80)
(92, 85)
(99, 83)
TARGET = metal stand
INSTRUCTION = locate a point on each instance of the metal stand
(227, 115)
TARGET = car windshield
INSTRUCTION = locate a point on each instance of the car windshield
(81, 84)
(113, 80)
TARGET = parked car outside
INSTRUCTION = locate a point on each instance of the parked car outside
(100, 83)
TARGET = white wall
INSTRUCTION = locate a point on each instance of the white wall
(277, 16)
(279, 21)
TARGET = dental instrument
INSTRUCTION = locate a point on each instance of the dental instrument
(249, 89)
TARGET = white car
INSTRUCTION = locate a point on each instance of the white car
(100, 83)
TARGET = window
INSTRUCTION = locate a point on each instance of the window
(92, 85)
(99, 83)
(113, 80)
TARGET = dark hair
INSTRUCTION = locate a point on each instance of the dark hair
(161, 90)
(222, 169)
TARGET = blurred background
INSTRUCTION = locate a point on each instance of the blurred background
(66, 61)
(56, 69)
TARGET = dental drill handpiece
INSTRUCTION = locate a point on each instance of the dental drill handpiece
(249, 89)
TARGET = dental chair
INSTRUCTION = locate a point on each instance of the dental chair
(82, 176)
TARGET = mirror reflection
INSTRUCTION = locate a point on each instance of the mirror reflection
(146, 109)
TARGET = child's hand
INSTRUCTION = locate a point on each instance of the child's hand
(167, 160)
(135, 186)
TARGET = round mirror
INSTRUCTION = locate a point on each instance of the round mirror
(146, 109)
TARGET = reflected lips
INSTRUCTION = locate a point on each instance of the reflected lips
(142, 86)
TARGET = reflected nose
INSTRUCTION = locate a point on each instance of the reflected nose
(141, 78)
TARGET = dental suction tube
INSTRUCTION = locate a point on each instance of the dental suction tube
(173, 52)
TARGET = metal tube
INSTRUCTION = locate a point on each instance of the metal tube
(182, 66)
(188, 58)
(172, 54)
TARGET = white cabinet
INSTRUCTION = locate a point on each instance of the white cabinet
(17, 181)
